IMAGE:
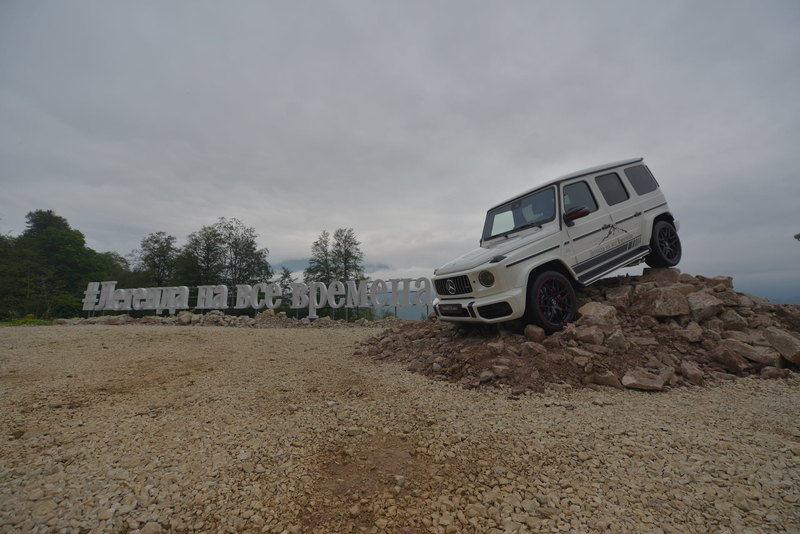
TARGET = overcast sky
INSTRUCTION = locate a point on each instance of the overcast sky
(402, 120)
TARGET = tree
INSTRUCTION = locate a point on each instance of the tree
(202, 260)
(45, 270)
(10, 274)
(223, 253)
(347, 256)
(39, 220)
(285, 282)
(245, 263)
(341, 260)
(56, 264)
(113, 266)
(320, 265)
(156, 258)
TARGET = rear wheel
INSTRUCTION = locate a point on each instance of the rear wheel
(551, 301)
(665, 246)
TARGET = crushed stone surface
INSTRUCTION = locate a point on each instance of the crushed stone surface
(165, 429)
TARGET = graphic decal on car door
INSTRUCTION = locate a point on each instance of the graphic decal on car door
(586, 234)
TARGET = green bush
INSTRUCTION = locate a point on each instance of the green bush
(26, 321)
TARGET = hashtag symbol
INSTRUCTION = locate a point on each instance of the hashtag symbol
(91, 294)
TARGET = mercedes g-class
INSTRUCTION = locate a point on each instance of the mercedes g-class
(539, 245)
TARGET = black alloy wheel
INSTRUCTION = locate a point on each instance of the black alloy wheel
(665, 246)
(551, 301)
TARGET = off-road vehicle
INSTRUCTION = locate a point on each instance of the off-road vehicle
(538, 246)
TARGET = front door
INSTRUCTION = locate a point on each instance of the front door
(586, 234)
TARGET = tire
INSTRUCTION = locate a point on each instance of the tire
(551, 301)
(665, 246)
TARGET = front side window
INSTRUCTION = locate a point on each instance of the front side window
(579, 194)
(531, 210)
(611, 188)
(641, 179)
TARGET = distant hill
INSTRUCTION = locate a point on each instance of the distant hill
(292, 265)
(786, 300)
(301, 265)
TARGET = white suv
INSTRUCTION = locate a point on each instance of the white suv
(569, 231)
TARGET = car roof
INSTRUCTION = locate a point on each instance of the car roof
(576, 174)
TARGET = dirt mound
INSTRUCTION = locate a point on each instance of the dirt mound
(650, 332)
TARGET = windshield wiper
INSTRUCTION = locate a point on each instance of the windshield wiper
(524, 226)
(507, 235)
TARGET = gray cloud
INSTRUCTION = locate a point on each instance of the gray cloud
(405, 121)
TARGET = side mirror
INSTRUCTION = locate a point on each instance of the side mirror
(575, 213)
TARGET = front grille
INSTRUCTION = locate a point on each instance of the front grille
(494, 311)
(460, 285)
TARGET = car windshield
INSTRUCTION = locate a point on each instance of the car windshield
(530, 210)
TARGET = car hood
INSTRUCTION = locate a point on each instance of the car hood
(501, 246)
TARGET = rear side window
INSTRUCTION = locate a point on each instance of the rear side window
(641, 179)
(578, 194)
(612, 189)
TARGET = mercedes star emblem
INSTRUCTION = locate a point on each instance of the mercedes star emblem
(451, 287)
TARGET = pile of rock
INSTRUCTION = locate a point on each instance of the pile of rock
(649, 332)
(265, 319)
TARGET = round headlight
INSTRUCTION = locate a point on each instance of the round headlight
(486, 279)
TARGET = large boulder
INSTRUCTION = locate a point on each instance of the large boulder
(691, 372)
(693, 333)
(748, 351)
(703, 305)
(769, 356)
(619, 297)
(595, 313)
(730, 361)
(728, 297)
(790, 317)
(744, 301)
(645, 380)
(589, 334)
(732, 320)
(785, 343)
(662, 302)
(535, 333)
(616, 341)
(606, 378)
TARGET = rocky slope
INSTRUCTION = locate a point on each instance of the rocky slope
(650, 332)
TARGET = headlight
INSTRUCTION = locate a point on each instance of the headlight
(486, 279)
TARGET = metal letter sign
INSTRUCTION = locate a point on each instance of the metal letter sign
(397, 291)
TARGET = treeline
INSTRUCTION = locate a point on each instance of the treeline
(45, 270)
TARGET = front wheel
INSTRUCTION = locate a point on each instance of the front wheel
(665, 246)
(551, 301)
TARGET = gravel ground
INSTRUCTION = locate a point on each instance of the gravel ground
(156, 429)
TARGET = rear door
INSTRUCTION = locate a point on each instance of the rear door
(623, 207)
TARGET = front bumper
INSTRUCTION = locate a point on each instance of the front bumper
(497, 308)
